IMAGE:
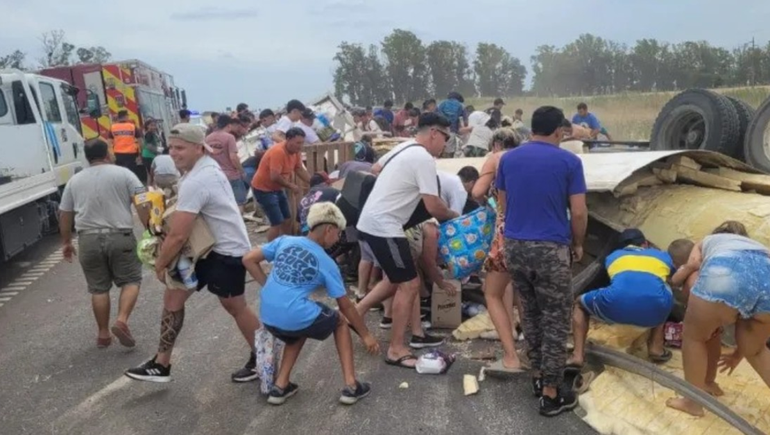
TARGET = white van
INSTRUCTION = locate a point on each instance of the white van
(41, 148)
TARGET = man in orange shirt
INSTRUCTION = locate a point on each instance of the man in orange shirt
(274, 175)
(125, 144)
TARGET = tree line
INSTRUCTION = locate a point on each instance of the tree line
(404, 68)
(56, 51)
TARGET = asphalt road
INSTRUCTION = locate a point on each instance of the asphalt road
(55, 380)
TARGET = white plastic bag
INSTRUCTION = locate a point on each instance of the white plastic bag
(434, 362)
(269, 351)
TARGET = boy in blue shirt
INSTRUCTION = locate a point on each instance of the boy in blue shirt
(638, 293)
(587, 119)
(300, 266)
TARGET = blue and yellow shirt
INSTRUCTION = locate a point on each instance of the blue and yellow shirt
(633, 264)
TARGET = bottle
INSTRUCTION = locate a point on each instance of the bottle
(187, 273)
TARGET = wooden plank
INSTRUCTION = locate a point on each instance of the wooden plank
(667, 176)
(706, 179)
(750, 182)
(685, 161)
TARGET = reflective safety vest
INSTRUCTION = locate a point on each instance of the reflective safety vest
(124, 138)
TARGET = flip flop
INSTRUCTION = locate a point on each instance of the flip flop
(662, 358)
(400, 362)
(498, 367)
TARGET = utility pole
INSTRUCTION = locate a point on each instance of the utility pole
(753, 73)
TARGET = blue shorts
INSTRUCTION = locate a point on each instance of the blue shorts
(322, 327)
(239, 190)
(275, 205)
(739, 279)
(646, 304)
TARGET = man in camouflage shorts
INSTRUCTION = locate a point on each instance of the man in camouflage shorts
(537, 183)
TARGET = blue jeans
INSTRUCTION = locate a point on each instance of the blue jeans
(275, 205)
(239, 190)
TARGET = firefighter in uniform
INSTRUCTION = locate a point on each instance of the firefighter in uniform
(125, 144)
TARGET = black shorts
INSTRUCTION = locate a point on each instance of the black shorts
(322, 327)
(394, 257)
(224, 276)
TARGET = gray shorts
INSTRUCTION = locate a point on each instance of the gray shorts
(109, 258)
(366, 253)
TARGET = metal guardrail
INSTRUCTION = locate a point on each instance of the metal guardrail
(631, 364)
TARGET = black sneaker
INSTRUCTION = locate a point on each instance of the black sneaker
(386, 322)
(425, 304)
(249, 372)
(278, 396)
(537, 387)
(428, 340)
(352, 395)
(150, 372)
(565, 400)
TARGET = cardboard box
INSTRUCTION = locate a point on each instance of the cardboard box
(446, 310)
(200, 241)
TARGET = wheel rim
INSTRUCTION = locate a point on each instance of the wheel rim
(688, 129)
(766, 141)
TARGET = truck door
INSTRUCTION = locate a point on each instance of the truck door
(63, 139)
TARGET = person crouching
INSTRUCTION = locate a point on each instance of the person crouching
(300, 266)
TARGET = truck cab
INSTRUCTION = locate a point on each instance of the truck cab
(42, 148)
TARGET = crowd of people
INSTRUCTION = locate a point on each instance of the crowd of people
(535, 183)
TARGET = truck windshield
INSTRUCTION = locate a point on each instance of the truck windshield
(71, 107)
(21, 106)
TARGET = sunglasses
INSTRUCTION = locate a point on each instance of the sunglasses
(444, 133)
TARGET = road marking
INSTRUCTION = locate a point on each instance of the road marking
(31, 275)
(40, 269)
(1, 304)
(17, 282)
(13, 288)
(6, 293)
(5, 299)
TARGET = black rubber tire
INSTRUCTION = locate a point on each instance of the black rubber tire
(697, 119)
(745, 115)
(757, 154)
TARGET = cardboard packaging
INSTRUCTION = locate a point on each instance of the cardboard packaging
(200, 241)
(446, 310)
(157, 204)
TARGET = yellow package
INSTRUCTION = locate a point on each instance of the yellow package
(157, 203)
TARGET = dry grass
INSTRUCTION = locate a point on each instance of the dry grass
(626, 116)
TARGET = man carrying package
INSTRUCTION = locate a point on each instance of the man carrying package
(300, 266)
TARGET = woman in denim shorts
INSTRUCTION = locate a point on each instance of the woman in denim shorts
(732, 287)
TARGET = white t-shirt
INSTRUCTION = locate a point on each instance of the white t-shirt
(478, 118)
(284, 124)
(398, 190)
(164, 165)
(205, 191)
(480, 137)
(310, 135)
(452, 191)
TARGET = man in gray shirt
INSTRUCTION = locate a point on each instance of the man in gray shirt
(203, 191)
(99, 200)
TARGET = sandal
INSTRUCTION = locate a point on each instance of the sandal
(400, 362)
(662, 358)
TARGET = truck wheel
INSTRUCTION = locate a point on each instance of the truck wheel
(745, 114)
(697, 119)
(756, 148)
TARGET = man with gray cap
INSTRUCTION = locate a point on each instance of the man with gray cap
(203, 191)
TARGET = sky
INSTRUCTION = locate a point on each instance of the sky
(265, 53)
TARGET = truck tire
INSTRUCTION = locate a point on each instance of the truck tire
(745, 114)
(697, 119)
(756, 147)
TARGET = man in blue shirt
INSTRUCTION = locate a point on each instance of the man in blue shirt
(386, 112)
(638, 294)
(300, 266)
(537, 184)
(587, 119)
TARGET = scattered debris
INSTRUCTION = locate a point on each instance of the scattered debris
(470, 385)
(483, 354)
(482, 374)
(473, 327)
(403, 385)
(262, 229)
(434, 362)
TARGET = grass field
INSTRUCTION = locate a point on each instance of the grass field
(626, 116)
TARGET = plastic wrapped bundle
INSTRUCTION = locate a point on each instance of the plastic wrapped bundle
(465, 241)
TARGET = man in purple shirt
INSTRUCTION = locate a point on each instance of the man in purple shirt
(537, 184)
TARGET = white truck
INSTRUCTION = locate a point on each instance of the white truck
(41, 148)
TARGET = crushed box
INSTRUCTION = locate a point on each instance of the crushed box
(446, 310)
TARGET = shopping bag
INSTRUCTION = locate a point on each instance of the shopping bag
(269, 351)
(465, 241)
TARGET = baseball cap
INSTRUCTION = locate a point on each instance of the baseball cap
(319, 178)
(631, 236)
(190, 133)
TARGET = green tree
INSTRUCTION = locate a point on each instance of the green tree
(93, 55)
(14, 60)
(56, 50)
(350, 72)
(376, 86)
(406, 65)
(449, 68)
(497, 72)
